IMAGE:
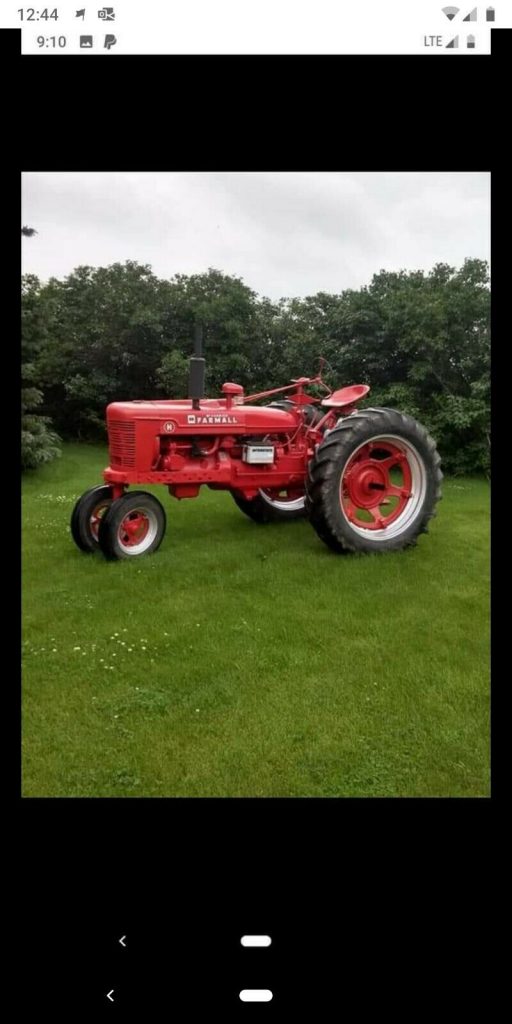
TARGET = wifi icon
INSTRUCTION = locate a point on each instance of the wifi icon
(451, 12)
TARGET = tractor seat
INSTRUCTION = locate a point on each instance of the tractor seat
(345, 396)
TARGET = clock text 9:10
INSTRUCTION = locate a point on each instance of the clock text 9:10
(52, 41)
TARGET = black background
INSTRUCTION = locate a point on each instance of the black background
(374, 906)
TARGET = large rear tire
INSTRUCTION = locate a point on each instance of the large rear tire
(373, 483)
(86, 516)
(134, 525)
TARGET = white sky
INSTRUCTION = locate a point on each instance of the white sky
(285, 234)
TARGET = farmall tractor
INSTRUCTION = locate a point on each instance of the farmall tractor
(367, 479)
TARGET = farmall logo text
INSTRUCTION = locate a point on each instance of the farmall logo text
(211, 419)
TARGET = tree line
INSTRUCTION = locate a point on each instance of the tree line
(103, 334)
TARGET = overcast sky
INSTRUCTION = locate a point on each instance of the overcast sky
(285, 234)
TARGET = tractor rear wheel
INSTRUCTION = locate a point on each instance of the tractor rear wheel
(273, 506)
(86, 517)
(134, 525)
(373, 483)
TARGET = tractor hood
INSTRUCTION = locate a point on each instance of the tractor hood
(212, 417)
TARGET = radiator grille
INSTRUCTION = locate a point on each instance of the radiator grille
(121, 441)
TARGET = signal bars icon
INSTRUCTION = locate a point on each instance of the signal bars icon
(451, 13)
(454, 43)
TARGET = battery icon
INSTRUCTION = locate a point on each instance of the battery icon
(471, 43)
(489, 14)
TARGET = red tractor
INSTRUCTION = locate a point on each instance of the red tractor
(368, 480)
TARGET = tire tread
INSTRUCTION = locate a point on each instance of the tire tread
(323, 509)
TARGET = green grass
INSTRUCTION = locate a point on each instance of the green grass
(245, 660)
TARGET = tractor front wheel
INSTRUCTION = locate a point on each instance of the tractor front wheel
(374, 482)
(272, 505)
(87, 515)
(134, 525)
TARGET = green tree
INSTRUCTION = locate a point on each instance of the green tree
(106, 343)
(421, 340)
(435, 340)
(39, 442)
(227, 309)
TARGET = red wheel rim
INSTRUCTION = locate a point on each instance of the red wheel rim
(96, 517)
(133, 528)
(284, 499)
(376, 485)
(285, 494)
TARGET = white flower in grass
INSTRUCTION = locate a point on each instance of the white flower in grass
(76, 648)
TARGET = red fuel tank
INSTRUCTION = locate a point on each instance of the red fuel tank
(212, 417)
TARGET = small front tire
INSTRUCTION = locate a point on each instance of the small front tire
(134, 525)
(86, 517)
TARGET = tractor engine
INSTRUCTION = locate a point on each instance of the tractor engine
(221, 444)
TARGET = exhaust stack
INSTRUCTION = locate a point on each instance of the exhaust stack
(197, 367)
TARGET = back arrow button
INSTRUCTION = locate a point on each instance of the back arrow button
(121, 940)
(109, 995)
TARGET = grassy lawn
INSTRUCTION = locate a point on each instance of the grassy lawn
(246, 660)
